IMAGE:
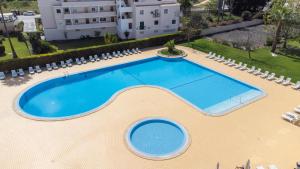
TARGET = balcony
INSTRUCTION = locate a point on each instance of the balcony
(91, 25)
(81, 3)
(89, 15)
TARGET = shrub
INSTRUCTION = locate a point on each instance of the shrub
(170, 45)
(247, 15)
(2, 50)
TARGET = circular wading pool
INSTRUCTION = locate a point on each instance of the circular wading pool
(157, 138)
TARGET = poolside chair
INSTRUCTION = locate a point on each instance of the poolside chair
(2, 75)
(103, 56)
(91, 58)
(138, 50)
(14, 73)
(212, 56)
(227, 61)
(280, 79)
(272, 166)
(78, 62)
(265, 75)
(119, 53)
(134, 51)
(232, 63)
(238, 65)
(209, 54)
(271, 77)
(21, 72)
(290, 117)
(217, 58)
(48, 67)
(244, 67)
(69, 63)
(296, 86)
(221, 59)
(129, 52)
(125, 53)
(97, 58)
(251, 70)
(82, 59)
(62, 64)
(260, 167)
(257, 72)
(54, 65)
(108, 56)
(38, 69)
(297, 110)
(115, 55)
(287, 81)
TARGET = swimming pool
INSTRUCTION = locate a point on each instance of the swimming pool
(157, 138)
(82, 93)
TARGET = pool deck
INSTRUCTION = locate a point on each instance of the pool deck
(96, 141)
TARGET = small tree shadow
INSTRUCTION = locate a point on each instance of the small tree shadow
(16, 81)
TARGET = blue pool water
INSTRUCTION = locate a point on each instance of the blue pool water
(74, 95)
(154, 138)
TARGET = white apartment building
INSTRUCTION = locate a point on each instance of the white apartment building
(73, 19)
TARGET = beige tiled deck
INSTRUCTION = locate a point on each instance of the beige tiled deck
(254, 132)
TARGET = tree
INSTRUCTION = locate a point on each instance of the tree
(110, 38)
(188, 28)
(39, 46)
(253, 6)
(170, 45)
(3, 5)
(186, 6)
(282, 12)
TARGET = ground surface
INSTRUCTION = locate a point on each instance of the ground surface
(96, 141)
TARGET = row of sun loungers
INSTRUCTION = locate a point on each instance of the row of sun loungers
(257, 72)
(69, 63)
(292, 117)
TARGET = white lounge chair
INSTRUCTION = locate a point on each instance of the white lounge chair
(209, 54)
(91, 58)
(251, 70)
(69, 63)
(104, 56)
(138, 50)
(290, 117)
(38, 69)
(125, 52)
(272, 166)
(134, 51)
(296, 86)
(108, 56)
(271, 76)
(63, 64)
(265, 75)
(82, 59)
(48, 67)
(221, 59)
(238, 65)
(119, 53)
(260, 167)
(217, 58)
(227, 61)
(232, 63)
(297, 110)
(280, 79)
(21, 72)
(97, 58)
(244, 67)
(115, 54)
(14, 73)
(257, 72)
(129, 52)
(2, 75)
(78, 62)
(287, 81)
(54, 65)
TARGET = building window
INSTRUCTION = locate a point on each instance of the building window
(94, 20)
(58, 11)
(112, 19)
(142, 12)
(68, 22)
(156, 22)
(142, 25)
(129, 25)
(173, 21)
(102, 19)
(166, 11)
(101, 8)
(93, 9)
(66, 10)
(76, 21)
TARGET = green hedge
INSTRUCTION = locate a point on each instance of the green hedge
(64, 55)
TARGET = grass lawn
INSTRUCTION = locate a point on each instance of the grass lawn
(74, 44)
(22, 6)
(294, 42)
(20, 48)
(281, 65)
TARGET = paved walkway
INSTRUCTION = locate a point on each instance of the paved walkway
(29, 22)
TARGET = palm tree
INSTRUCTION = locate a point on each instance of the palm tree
(186, 6)
(3, 5)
